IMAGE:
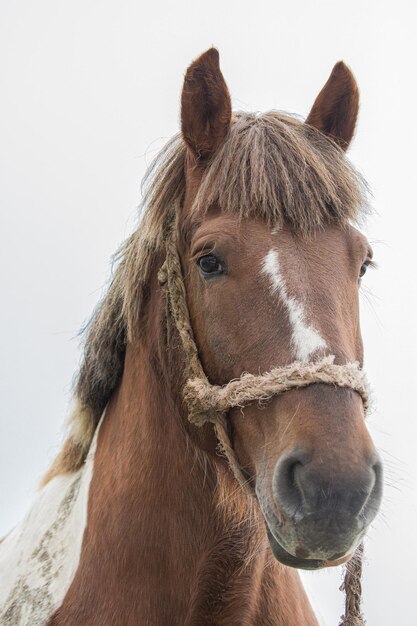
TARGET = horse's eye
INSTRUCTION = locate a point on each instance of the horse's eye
(210, 265)
(363, 269)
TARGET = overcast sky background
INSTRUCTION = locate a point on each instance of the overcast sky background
(89, 91)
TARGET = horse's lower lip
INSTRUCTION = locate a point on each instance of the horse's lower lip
(288, 559)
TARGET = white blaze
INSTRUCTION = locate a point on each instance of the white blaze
(305, 338)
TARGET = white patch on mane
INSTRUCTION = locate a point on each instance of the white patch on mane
(305, 339)
(39, 558)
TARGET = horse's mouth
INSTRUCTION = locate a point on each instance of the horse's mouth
(290, 560)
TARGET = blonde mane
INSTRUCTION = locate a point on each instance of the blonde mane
(271, 166)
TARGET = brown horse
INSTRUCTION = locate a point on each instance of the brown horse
(264, 208)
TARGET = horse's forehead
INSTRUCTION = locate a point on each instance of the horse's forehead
(325, 254)
(311, 279)
(322, 260)
(318, 262)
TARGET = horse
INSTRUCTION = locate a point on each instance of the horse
(231, 318)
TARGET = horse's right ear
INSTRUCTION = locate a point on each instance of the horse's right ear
(206, 110)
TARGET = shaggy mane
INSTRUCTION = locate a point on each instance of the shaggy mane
(272, 166)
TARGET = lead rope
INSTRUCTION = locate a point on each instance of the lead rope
(352, 587)
(210, 403)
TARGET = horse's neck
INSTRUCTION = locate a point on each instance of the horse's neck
(160, 544)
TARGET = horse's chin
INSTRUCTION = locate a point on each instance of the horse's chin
(290, 560)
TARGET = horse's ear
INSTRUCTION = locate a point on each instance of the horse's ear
(336, 107)
(206, 109)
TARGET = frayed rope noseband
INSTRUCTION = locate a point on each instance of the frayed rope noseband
(206, 401)
(210, 403)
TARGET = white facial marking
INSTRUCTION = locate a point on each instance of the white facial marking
(39, 558)
(305, 339)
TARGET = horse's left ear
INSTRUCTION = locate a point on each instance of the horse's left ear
(206, 110)
(335, 109)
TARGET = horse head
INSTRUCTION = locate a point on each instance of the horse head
(273, 263)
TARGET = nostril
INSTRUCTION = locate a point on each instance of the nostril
(287, 483)
(297, 471)
(371, 505)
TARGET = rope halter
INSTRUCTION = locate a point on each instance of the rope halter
(210, 403)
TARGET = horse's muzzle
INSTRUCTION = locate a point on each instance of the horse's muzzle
(318, 517)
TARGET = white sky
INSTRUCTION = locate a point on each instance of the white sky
(89, 91)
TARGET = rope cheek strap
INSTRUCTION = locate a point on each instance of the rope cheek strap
(210, 403)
